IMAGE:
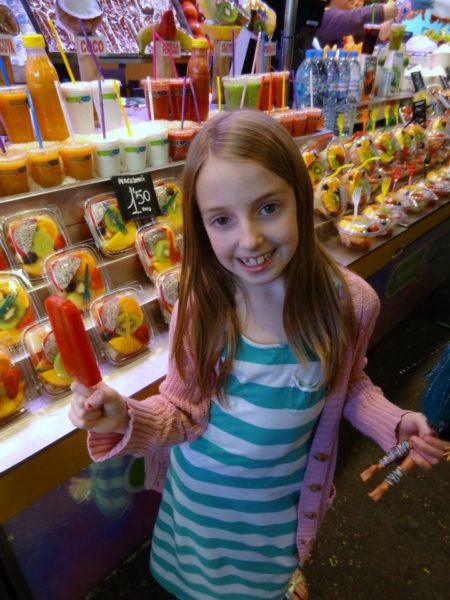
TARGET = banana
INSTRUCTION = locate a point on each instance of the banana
(145, 36)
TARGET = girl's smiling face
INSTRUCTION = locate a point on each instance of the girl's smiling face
(250, 216)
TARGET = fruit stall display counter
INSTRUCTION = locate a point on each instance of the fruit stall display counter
(44, 466)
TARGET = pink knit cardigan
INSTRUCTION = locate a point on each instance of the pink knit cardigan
(179, 413)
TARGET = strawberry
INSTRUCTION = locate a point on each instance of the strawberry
(142, 334)
(59, 242)
(11, 380)
(167, 27)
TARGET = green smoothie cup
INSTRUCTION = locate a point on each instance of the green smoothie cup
(234, 88)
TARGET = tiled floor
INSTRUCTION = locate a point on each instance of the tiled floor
(392, 550)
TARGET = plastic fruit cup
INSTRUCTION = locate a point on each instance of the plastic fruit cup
(252, 84)
(356, 232)
(134, 152)
(107, 153)
(15, 115)
(179, 142)
(13, 173)
(314, 120)
(299, 119)
(157, 146)
(370, 37)
(396, 35)
(78, 99)
(233, 88)
(111, 108)
(160, 96)
(277, 88)
(176, 99)
(285, 118)
(265, 93)
(44, 165)
(77, 159)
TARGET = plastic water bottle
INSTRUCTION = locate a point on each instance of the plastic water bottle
(354, 93)
(26, 27)
(329, 108)
(322, 79)
(306, 80)
(342, 88)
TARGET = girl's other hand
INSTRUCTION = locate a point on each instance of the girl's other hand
(427, 449)
(100, 409)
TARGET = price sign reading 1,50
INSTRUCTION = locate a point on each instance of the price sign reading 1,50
(136, 196)
(138, 200)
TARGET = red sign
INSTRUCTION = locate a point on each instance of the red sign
(7, 46)
(98, 45)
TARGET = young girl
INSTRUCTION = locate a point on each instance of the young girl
(267, 350)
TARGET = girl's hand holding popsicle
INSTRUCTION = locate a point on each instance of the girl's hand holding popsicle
(427, 449)
(99, 408)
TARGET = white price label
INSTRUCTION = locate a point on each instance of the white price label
(225, 49)
(270, 49)
(175, 49)
(7, 46)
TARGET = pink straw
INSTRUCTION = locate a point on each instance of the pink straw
(183, 100)
(169, 52)
(194, 99)
(155, 76)
(102, 108)
(232, 51)
(91, 50)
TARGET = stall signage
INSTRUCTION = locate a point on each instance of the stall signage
(417, 80)
(136, 196)
(225, 48)
(420, 112)
(98, 44)
(7, 46)
(174, 47)
(270, 49)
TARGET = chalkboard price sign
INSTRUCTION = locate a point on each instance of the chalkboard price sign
(420, 112)
(417, 80)
(136, 196)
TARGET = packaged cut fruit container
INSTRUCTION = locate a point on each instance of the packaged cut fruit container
(74, 273)
(16, 309)
(356, 231)
(121, 325)
(386, 216)
(40, 344)
(440, 187)
(414, 198)
(170, 198)
(32, 236)
(112, 235)
(4, 261)
(168, 286)
(157, 248)
(12, 387)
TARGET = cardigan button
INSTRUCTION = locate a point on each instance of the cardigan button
(321, 456)
(310, 515)
(315, 487)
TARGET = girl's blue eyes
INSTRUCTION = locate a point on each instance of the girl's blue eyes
(267, 209)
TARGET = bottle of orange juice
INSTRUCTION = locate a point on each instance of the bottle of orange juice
(40, 76)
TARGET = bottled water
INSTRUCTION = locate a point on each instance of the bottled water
(306, 80)
(322, 79)
(329, 108)
(354, 93)
(25, 27)
(342, 87)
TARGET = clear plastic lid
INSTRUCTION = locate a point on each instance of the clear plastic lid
(12, 387)
(112, 235)
(419, 197)
(40, 345)
(157, 248)
(75, 274)
(440, 187)
(33, 235)
(121, 325)
(17, 309)
(168, 286)
(386, 215)
(4, 260)
(170, 198)
(330, 197)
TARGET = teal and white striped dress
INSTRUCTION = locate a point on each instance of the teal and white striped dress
(227, 522)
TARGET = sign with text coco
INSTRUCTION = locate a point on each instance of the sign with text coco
(98, 45)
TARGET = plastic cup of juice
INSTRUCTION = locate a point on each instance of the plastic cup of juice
(253, 83)
(160, 95)
(13, 173)
(44, 165)
(77, 158)
(134, 152)
(370, 37)
(233, 88)
(157, 146)
(78, 99)
(396, 36)
(176, 98)
(179, 142)
(314, 118)
(277, 85)
(107, 159)
(113, 115)
(299, 119)
(265, 92)
(285, 118)
(15, 114)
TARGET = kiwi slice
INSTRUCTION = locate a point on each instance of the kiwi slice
(59, 367)
(42, 244)
(121, 323)
(113, 220)
(227, 13)
(12, 313)
(162, 249)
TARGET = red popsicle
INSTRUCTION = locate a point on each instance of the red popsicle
(72, 340)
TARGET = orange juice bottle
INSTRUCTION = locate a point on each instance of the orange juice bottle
(40, 76)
